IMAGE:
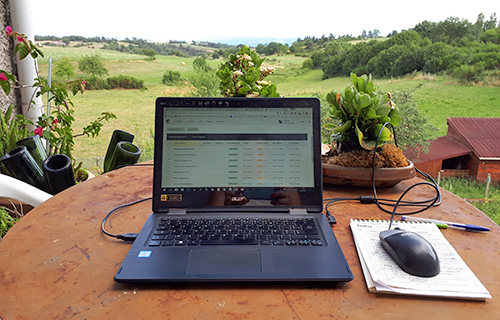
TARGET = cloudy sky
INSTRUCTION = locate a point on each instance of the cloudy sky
(163, 20)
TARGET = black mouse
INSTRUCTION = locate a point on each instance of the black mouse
(411, 252)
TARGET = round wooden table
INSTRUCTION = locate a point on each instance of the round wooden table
(55, 263)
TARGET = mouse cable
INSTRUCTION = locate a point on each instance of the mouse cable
(421, 205)
(123, 236)
(424, 204)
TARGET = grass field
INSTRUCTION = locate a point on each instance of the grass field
(438, 98)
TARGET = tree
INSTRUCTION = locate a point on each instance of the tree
(149, 52)
(92, 65)
(64, 67)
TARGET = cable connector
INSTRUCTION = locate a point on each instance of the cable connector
(331, 219)
(128, 236)
(366, 199)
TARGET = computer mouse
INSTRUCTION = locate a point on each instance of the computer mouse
(414, 254)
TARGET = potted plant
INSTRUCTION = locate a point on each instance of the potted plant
(243, 75)
(55, 126)
(362, 142)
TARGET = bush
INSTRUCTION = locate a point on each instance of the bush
(308, 64)
(125, 82)
(468, 73)
(96, 83)
(170, 77)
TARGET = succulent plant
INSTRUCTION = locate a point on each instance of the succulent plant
(361, 113)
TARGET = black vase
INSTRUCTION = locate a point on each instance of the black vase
(117, 136)
(125, 153)
(58, 173)
(35, 148)
(21, 165)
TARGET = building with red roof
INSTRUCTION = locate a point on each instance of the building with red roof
(470, 148)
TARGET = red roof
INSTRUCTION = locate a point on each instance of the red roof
(441, 148)
(481, 134)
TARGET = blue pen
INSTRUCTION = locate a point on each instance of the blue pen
(466, 227)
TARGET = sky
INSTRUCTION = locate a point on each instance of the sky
(222, 20)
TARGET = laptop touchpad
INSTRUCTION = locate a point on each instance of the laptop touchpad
(222, 261)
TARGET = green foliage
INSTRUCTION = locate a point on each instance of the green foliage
(468, 73)
(362, 113)
(125, 82)
(96, 83)
(12, 129)
(200, 64)
(149, 53)
(471, 189)
(205, 84)
(6, 221)
(64, 67)
(170, 77)
(244, 76)
(57, 127)
(414, 131)
(92, 65)
(492, 36)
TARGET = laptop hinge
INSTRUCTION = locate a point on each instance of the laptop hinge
(298, 211)
(177, 211)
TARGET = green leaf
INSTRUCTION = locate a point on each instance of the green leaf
(354, 79)
(343, 128)
(361, 84)
(331, 98)
(371, 114)
(5, 86)
(364, 100)
(370, 87)
(348, 94)
(395, 120)
(386, 134)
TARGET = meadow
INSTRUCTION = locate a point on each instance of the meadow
(438, 97)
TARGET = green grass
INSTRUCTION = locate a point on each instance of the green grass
(469, 189)
(441, 99)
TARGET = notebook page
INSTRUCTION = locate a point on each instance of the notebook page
(381, 272)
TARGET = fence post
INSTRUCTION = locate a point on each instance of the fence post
(439, 176)
(488, 181)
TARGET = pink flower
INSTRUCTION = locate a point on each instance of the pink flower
(55, 121)
(8, 29)
(20, 39)
(3, 77)
(38, 131)
(84, 82)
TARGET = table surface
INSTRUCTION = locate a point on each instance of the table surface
(55, 263)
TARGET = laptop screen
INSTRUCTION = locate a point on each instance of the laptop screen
(237, 153)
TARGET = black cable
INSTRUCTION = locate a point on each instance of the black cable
(422, 205)
(124, 236)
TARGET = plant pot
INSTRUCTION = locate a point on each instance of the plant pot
(362, 177)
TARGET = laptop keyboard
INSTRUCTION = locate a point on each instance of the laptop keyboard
(236, 231)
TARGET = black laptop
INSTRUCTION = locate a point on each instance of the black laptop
(237, 195)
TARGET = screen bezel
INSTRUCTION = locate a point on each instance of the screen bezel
(314, 198)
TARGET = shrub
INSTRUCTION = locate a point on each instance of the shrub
(170, 77)
(125, 82)
(96, 83)
(308, 64)
(468, 73)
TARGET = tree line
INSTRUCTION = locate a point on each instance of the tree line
(455, 45)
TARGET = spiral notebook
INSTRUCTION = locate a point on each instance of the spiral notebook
(383, 275)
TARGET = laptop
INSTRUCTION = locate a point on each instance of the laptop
(237, 195)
